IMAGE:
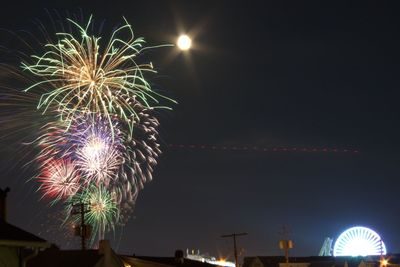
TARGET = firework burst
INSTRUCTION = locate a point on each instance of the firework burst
(98, 147)
(83, 76)
(122, 161)
(101, 209)
(95, 131)
(59, 179)
(98, 159)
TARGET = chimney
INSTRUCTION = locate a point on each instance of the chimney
(109, 257)
(3, 203)
(104, 247)
(179, 256)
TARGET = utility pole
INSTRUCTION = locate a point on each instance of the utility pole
(285, 244)
(84, 230)
(83, 241)
(234, 235)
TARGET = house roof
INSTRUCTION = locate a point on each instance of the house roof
(173, 262)
(11, 235)
(65, 258)
(273, 261)
(89, 258)
(136, 262)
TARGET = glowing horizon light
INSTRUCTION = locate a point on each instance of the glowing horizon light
(184, 42)
(359, 241)
(222, 262)
(384, 262)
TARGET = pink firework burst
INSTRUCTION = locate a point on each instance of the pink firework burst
(59, 179)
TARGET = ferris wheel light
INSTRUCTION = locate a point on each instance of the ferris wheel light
(359, 241)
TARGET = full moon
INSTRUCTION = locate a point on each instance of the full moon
(184, 42)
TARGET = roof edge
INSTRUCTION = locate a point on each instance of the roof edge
(19, 243)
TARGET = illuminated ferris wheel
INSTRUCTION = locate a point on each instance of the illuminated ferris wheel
(359, 241)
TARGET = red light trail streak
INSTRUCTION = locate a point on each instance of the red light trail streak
(264, 149)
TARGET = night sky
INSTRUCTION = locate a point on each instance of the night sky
(283, 74)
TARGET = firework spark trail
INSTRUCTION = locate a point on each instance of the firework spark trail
(18, 108)
(20, 122)
(86, 78)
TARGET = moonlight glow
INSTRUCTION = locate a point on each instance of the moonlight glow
(359, 241)
(184, 42)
